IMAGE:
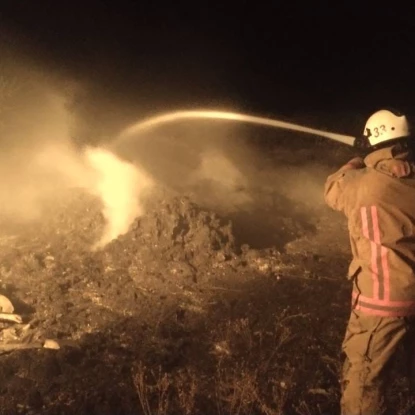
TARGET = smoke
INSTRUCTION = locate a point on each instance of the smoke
(215, 166)
(196, 158)
(39, 159)
(32, 116)
(120, 185)
(219, 183)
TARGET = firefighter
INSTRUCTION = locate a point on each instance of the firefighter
(377, 195)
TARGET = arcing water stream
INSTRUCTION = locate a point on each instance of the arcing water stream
(232, 116)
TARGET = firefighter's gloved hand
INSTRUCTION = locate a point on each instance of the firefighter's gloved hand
(354, 163)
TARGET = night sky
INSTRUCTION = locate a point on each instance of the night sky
(276, 57)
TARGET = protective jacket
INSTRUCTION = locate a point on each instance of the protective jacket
(379, 203)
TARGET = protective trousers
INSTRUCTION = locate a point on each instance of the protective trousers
(370, 344)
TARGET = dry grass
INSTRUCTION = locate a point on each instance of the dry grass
(152, 391)
(245, 379)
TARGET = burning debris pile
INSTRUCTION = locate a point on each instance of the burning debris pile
(172, 227)
(175, 236)
(178, 234)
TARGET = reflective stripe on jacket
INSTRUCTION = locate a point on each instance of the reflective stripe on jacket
(380, 208)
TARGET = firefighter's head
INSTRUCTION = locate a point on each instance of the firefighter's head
(385, 128)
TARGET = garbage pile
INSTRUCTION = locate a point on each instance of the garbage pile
(174, 244)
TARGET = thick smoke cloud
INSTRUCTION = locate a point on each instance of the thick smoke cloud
(39, 158)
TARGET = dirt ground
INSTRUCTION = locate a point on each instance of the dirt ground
(193, 311)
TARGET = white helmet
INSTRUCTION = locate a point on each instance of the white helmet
(384, 126)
